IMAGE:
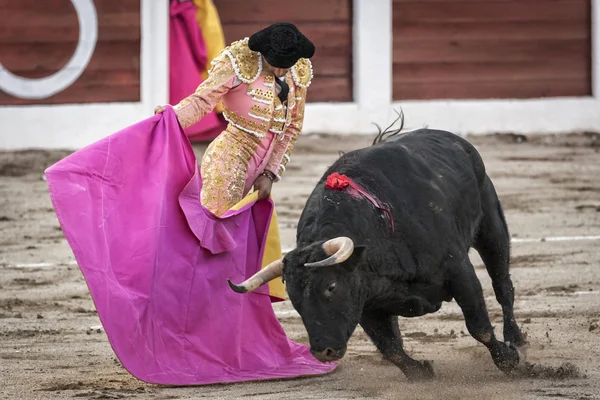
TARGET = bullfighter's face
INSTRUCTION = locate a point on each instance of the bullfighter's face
(280, 72)
(328, 298)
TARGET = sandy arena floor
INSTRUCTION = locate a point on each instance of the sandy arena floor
(53, 347)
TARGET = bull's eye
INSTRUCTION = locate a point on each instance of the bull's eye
(331, 287)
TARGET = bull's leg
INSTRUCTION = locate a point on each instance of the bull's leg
(493, 245)
(384, 331)
(466, 290)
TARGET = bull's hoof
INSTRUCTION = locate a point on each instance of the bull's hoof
(521, 352)
(509, 358)
(420, 371)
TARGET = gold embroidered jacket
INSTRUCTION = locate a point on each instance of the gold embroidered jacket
(252, 106)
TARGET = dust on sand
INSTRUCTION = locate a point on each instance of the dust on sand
(52, 345)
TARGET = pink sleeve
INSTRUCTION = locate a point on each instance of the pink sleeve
(208, 94)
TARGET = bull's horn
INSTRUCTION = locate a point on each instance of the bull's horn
(338, 250)
(266, 274)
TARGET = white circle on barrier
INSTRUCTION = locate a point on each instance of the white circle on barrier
(41, 88)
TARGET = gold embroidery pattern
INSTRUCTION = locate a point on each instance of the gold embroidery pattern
(293, 132)
(224, 170)
(256, 129)
(261, 96)
(301, 102)
(278, 120)
(269, 80)
(247, 64)
(259, 112)
(288, 152)
(291, 101)
(296, 126)
(302, 72)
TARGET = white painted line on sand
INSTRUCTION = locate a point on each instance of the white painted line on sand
(287, 250)
(287, 314)
(95, 327)
(39, 265)
(530, 240)
(34, 265)
(555, 239)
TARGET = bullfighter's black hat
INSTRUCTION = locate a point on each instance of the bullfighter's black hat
(281, 44)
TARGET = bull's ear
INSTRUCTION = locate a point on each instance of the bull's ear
(358, 257)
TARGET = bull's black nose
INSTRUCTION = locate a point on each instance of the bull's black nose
(328, 354)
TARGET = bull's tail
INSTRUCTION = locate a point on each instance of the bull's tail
(381, 136)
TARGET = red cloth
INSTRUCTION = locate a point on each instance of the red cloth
(335, 181)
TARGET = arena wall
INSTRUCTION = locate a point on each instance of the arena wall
(472, 67)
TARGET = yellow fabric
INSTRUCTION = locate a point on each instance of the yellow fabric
(272, 249)
(272, 253)
(212, 32)
(251, 197)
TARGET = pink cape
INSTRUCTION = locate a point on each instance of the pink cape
(156, 262)
(187, 58)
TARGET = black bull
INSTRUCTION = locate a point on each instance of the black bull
(352, 266)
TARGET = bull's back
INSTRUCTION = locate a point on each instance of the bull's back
(435, 150)
(431, 179)
(425, 157)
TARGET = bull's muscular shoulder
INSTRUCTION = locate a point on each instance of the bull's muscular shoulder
(246, 63)
(302, 72)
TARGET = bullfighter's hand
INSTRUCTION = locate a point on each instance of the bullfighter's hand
(263, 185)
(159, 110)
